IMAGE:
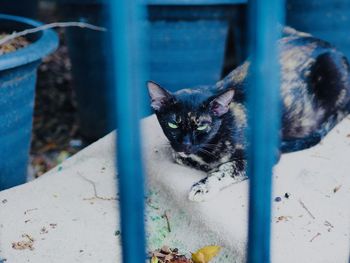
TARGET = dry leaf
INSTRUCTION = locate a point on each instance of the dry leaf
(198, 258)
(24, 244)
(154, 259)
(205, 254)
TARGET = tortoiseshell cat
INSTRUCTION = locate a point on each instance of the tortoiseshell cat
(206, 125)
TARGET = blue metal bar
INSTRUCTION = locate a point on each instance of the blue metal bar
(264, 121)
(127, 19)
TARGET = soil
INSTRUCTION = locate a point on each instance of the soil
(55, 126)
(12, 45)
(56, 134)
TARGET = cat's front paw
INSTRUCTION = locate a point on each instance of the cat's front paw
(201, 192)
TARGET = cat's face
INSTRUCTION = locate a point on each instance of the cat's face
(189, 119)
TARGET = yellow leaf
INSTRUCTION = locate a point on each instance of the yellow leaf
(154, 259)
(198, 257)
(205, 254)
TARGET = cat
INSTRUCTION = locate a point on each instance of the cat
(206, 125)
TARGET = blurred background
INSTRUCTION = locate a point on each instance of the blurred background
(190, 43)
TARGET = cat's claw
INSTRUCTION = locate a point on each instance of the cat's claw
(200, 192)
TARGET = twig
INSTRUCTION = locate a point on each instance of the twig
(165, 215)
(327, 223)
(149, 203)
(307, 210)
(317, 235)
(48, 26)
(96, 196)
(337, 188)
(30, 210)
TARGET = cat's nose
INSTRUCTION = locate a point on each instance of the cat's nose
(187, 144)
(187, 147)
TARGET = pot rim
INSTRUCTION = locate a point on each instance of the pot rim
(194, 2)
(44, 45)
(161, 2)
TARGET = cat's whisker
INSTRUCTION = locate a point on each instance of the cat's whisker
(206, 152)
(209, 145)
(211, 148)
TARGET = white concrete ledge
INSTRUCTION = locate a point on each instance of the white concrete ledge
(69, 223)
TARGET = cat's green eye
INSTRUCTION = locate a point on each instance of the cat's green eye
(172, 125)
(202, 127)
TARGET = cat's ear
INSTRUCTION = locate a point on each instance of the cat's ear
(220, 104)
(159, 96)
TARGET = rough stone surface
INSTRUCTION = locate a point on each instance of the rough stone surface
(69, 222)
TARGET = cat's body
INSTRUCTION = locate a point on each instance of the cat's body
(206, 125)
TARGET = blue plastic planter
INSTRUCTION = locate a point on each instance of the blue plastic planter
(188, 40)
(17, 86)
(326, 19)
(91, 66)
(187, 48)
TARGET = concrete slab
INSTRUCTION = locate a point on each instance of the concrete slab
(70, 214)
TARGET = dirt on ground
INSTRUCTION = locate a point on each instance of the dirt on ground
(55, 125)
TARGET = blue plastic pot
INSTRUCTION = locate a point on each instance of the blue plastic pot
(326, 19)
(187, 48)
(188, 40)
(17, 86)
(89, 51)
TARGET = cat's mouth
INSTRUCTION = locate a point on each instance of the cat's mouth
(185, 150)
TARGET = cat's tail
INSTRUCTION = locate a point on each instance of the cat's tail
(330, 80)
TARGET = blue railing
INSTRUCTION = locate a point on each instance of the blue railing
(264, 116)
(263, 106)
(129, 67)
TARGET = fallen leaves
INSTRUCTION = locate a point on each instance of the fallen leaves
(168, 255)
(205, 254)
(56, 133)
(283, 218)
(28, 243)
